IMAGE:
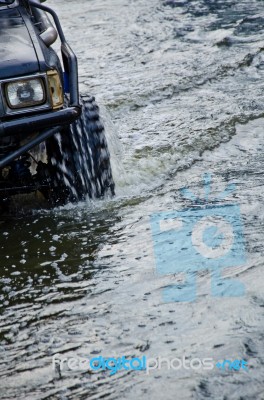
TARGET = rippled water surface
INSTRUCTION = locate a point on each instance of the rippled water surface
(180, 86)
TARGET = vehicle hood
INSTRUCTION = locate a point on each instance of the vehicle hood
(17, 53)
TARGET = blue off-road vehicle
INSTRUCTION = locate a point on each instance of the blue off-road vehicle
(51, 139)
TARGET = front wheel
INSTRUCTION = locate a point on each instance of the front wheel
(79, 158)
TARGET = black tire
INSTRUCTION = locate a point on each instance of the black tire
(79, 159)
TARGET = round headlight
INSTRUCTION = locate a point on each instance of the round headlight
(25, 93)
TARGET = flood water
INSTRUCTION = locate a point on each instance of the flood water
(180, 86)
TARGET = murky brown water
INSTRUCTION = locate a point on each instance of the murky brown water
(180, 85)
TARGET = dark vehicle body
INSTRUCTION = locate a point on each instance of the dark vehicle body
(51, 139)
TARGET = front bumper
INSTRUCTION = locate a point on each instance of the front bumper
(46, 124)
(35, 123)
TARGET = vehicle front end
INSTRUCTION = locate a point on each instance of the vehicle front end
(38, 93)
